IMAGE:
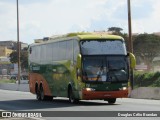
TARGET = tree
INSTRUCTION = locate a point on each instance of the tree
(115, 30)
(23, 58)
(146, 46)
(13, 57)
(118, 31)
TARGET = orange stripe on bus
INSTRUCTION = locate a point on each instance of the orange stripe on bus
(90, 95)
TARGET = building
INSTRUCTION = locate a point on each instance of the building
(157, 33)
(4, 51)
(13, 44)
(6, 48)
(156, 64)
(5, 66)
(9, 44)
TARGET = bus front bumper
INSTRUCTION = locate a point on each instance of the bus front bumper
(91, 95)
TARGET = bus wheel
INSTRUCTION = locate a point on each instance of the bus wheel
(44, 97)
(49, 98)
(38, 97)
(42, 93)
(111, 100)
(71, 97)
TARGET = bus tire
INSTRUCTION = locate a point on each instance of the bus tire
(71, 97)
(37, 91)
(44, 97)
(111, 100)
(49, 98)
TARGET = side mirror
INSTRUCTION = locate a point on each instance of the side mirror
(79, 61)
(79, 65)
(132, 60)
(78, 72)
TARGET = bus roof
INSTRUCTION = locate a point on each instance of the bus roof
(98, 36)
(88, 35)
(80, 36)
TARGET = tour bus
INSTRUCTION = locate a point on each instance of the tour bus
(80, 66)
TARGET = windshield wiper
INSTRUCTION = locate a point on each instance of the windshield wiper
(86, 76)
(98, 76)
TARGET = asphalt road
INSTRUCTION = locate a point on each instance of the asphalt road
(25, 101)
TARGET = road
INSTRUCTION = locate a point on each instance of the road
(25, 101)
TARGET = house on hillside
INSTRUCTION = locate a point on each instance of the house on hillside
(156, 64)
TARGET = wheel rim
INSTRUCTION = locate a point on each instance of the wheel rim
(37, 96)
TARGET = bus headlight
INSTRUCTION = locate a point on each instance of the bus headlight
(89, 89)
(123, 88)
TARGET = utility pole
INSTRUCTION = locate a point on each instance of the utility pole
(130, 40)
(130, 28)
(18, 44)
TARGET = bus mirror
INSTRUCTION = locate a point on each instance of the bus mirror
(79, 61)
(78, 72)
(132, 60)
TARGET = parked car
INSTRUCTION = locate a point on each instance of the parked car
(13, 77)
(23, 80)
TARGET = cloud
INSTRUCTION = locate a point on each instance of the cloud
(41, 18)
(150, 21)
(7, 21)
(59, 16)
(142, 9)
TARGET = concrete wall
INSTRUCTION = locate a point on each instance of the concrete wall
(141, 93)
(15, 87)
(146, 93)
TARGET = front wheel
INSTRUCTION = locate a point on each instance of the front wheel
(111, 100)
(71, 97)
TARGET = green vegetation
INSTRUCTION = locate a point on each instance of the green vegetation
(146, 48)
(149, 79)
(23, 58)
(7, 81)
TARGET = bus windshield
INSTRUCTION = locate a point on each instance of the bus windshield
(105, 68)
(103, 47)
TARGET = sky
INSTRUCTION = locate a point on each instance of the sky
(44, 18)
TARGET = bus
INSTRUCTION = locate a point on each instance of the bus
(80, 66)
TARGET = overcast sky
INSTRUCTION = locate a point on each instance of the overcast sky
(43, 18)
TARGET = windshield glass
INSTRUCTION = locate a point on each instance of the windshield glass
(117, 68)
(103, 47)
(105, 69)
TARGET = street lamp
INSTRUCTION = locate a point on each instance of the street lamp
(18, 44)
